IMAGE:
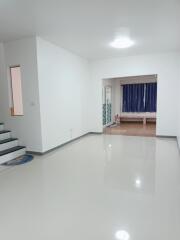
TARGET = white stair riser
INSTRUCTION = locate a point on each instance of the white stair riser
(5, 135)
(7, 145)
(11, 156)
(1, 127)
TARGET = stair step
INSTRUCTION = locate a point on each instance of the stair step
(10, 150)
(8, 143)
(4, 134)
(1, 126)
(11, 153)
(8, 140)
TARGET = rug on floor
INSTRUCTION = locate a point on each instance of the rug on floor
(20, 160)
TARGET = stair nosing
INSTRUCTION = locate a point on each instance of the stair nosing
(8, 140)
(4, 131)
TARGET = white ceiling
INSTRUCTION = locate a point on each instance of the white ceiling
(87, 27)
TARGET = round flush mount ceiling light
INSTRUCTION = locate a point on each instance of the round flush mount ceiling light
(122, 235)
(122, 42)
(138, 183)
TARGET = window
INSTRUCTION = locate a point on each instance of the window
(16, 91)
(107, 105)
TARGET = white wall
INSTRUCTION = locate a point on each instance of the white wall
(1, 80)
(178, 100)
(164, 65)
(64, 89)
(55, 88)
(27, 128)
(62, 93)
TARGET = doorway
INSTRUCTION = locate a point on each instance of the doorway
(133, 106)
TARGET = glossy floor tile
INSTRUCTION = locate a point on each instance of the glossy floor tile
(101, 187)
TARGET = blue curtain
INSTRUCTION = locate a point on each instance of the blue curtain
(133, 98)
(140, 97)
(150, 97)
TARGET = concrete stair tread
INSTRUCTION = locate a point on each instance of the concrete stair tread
(10, 150)
(4, 131)
(7, 140)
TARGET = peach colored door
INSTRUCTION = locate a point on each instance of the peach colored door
(16, 88)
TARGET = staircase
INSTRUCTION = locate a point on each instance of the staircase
(9, 148)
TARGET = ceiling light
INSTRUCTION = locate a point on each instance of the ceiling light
(122, 42)
(138, 183)
(122, 235)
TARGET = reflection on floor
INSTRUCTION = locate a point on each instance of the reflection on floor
(99, 187)
(132, 129)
